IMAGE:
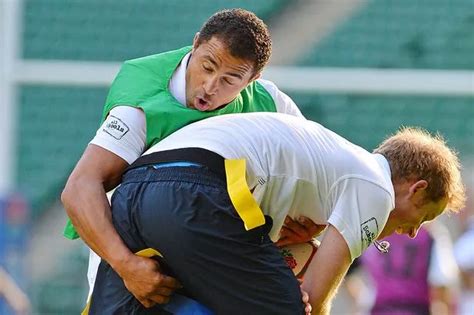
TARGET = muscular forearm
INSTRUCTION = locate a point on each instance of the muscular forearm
(320, 303)
(326, 271)
(86, 204)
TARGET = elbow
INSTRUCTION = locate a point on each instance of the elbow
(65, 195)
(68, 195)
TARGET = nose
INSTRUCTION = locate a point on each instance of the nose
(210, 85)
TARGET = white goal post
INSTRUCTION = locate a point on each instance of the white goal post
(374, 81)
(299, 79)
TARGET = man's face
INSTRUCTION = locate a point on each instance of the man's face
(411, 211)
(214, 77)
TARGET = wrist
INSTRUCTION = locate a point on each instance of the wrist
(120, 262)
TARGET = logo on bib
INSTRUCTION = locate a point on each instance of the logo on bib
(369, 230)
(115, 127)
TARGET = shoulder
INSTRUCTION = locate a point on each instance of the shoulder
(270, 87)
(267, 84)
(355, 185)
(181, 52)
(283, 103)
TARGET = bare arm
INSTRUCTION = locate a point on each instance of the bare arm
(14, 296)
(326, 271)
(85, 201)
(86, 204)
(442, 300)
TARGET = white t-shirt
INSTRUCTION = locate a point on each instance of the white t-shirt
(124, 130)
(297, 167)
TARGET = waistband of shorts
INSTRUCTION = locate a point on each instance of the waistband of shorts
(211, 169)
(188, 164)
(192, 174)
(211, 160)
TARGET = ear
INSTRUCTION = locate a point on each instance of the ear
(195, 41)
(418, 187)
(256, 77)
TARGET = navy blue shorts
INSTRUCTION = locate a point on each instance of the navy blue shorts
(186, 214)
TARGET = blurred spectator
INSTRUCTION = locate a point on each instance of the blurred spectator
(464, 253)
(417, 276)
(12, 294)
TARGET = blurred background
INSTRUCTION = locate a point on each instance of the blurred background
(361, 68)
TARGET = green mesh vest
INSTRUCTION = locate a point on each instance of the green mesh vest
(144, 82)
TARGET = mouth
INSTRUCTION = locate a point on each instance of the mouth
(201, 103)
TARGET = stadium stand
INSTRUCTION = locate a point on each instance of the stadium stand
(366, 120)
(56, 125)
(106, 31)
(65, 293)
(422, 34)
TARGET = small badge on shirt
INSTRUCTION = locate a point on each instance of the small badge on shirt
(369, 230)
(115, 127)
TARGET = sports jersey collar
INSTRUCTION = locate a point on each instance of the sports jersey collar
(177, 85)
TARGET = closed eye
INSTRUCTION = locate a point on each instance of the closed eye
(228, 81)
(206, 68)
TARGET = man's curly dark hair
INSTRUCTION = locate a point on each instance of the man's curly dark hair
(245, 35)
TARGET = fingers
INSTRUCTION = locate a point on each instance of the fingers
(283, 242)
(160, 299)
(162, 292)
(308, 227)
(296, 231)
(162, 296)
(170, 283)
(146, 302)
(316, 229)
(305, 297)
(287, 237)
(145, 281)
(298, 227)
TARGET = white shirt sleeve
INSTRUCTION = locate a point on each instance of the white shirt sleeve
(284, 104)
(123, 133)
(443, 271)
(360, 210)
